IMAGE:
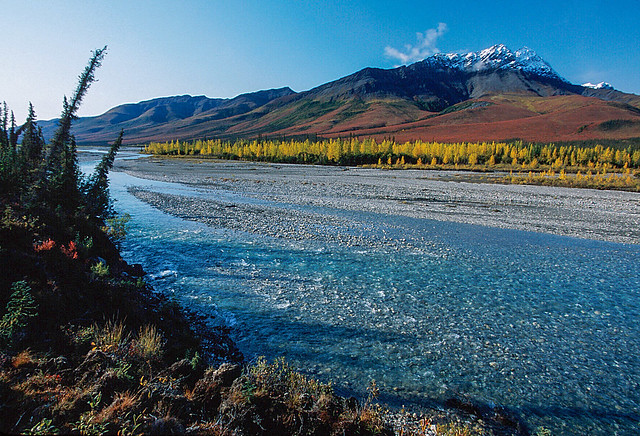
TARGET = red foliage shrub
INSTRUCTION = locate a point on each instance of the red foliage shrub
(44, 246)
(71, 251)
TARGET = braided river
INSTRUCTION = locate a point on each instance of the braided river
(434, 287)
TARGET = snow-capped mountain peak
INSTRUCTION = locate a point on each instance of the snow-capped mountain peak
(601, 85)
(498, 57)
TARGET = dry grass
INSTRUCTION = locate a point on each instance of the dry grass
(215, 428)
(22, 359)
(70, 400)
(41, 385)
(303, 398)
(149, 343)
(123, 404)
(370, 415)
(281, 378)
(453, 429)
(110, 335)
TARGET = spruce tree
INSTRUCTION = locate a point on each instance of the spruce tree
(69, 190)
(13, 133)
(58, 186)
(32, 142)
(4, 134)
(9, 176)
(96, 190)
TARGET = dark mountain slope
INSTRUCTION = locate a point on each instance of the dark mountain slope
(164, 115)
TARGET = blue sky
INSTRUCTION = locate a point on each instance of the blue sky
(225, 48)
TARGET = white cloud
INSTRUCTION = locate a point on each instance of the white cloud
(426, 46)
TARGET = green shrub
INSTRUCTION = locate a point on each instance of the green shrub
(116, 228)
(20, 308)
(100, 269)
(195, 360)
(84, 245)
(542, 431)
(45, 426)
(88, 424)
(122, 370)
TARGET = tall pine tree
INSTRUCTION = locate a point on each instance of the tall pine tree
(4, 131)
(9, 175)
(59, 177)
(33, 143)
(96, 190)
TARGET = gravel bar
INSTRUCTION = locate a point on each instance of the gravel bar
(456, 196)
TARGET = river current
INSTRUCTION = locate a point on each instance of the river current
(547, 326)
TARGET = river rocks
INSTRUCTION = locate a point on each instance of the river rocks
(276, 221)
(136, 270)
(441, 195)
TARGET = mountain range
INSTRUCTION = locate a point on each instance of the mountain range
(493, 94)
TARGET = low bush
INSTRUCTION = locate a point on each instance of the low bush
(20, 308)
(100, 269)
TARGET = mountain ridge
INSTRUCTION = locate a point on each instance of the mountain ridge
(408, 102)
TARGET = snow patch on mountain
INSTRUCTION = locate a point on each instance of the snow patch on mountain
(498, 57)
(601, 85)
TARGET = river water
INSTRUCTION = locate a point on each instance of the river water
(547, 326)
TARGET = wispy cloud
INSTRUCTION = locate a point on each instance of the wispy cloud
(426, 46)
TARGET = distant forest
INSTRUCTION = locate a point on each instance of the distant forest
(514, 156)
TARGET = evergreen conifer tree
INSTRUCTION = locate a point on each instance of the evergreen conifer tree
(96, 189)
(13, 133)
(4, 119)
(9, 175)
(33, 142)
(59, 176)
(68, 193)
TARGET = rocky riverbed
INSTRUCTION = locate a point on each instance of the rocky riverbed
(445, 196)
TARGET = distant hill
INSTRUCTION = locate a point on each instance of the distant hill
(493, 94)
(171, 117)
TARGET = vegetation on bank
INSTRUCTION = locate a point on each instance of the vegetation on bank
(87, 347)
(593, 166)
(601, 180)
(370, 152)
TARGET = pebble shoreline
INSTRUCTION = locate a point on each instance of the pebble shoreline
(286, 190)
